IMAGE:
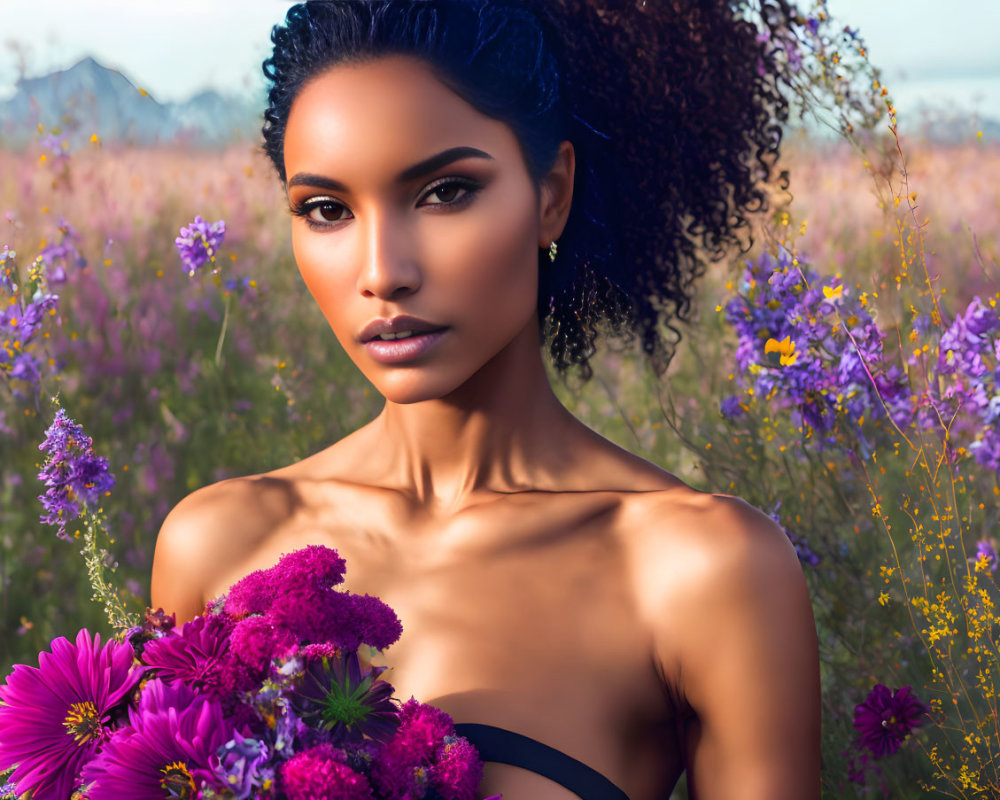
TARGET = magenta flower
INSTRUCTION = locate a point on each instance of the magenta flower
(886, 718)
(315, 567)
(54, 717)
(403, 768)
(198, 243)
(194, 656)
(459, 771)
(76, 477)
(253, 594)
(346, 620)
(319, 774)
(167, 751)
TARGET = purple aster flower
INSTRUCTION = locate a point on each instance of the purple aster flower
(334, 695)
(886, 718)
(320, 774)
(168, 750)
(194, 656)
(198, 243)
(74, 474)
(54, 717)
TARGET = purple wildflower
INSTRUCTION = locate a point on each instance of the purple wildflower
(809, 348)
(168, 750)
(886, 718)
(59, 255)
(53, 718)
(802, 549)
(243, 766)
(74, 474)
(731, 407)
(336, 697)
(198, 243)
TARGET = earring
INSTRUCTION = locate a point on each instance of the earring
(553, 249)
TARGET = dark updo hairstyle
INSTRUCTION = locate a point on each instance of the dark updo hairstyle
(672, 107)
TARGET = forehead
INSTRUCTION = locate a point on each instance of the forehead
(376, 116)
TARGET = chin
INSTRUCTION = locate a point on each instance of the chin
(415, 385)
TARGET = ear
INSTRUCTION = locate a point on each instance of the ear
(556, 196)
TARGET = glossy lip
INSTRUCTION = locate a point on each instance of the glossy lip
(395, 325)
(402, 350)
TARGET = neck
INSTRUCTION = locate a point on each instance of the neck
(495, 433)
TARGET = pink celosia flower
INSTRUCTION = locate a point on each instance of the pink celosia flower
(319, 774)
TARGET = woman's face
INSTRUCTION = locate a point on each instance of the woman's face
(408, 201)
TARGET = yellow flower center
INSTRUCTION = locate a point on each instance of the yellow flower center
(83, 722)
(177, 781)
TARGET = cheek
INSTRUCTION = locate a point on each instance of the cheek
(317, 257)
(492, 262)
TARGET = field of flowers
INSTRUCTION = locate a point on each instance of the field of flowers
(843, 377)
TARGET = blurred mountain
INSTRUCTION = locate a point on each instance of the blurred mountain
(88, 98)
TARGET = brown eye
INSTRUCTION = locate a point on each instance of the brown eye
(327, 212)
(447, 194)
(453, 192)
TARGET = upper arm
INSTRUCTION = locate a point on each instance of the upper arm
(747, 659)
(199, 539)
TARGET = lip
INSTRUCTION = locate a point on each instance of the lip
(402, 350)
(396, 325)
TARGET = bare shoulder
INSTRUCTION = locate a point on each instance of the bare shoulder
(726, 602)
(208, 531)
(699, 539)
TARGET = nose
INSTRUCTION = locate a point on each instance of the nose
(389, 269)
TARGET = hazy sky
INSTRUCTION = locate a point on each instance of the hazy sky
(928, 49)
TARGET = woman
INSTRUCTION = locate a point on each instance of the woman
(469, 179)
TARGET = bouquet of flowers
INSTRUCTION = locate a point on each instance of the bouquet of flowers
(262, 696)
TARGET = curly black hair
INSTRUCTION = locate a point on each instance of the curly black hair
(674, 109)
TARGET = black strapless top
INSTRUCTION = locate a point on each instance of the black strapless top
(506, 747)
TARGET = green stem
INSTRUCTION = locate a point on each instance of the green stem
(222, 333)
(118, 615)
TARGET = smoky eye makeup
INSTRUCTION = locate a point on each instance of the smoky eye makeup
(450, 193)
(443, 195)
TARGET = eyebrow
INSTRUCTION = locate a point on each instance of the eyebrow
(419, 170)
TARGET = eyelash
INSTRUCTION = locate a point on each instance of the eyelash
(470, 187)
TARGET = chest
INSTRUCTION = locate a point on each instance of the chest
(506, 599)
(522, 618)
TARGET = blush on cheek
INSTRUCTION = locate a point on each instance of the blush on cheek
(317, 266)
